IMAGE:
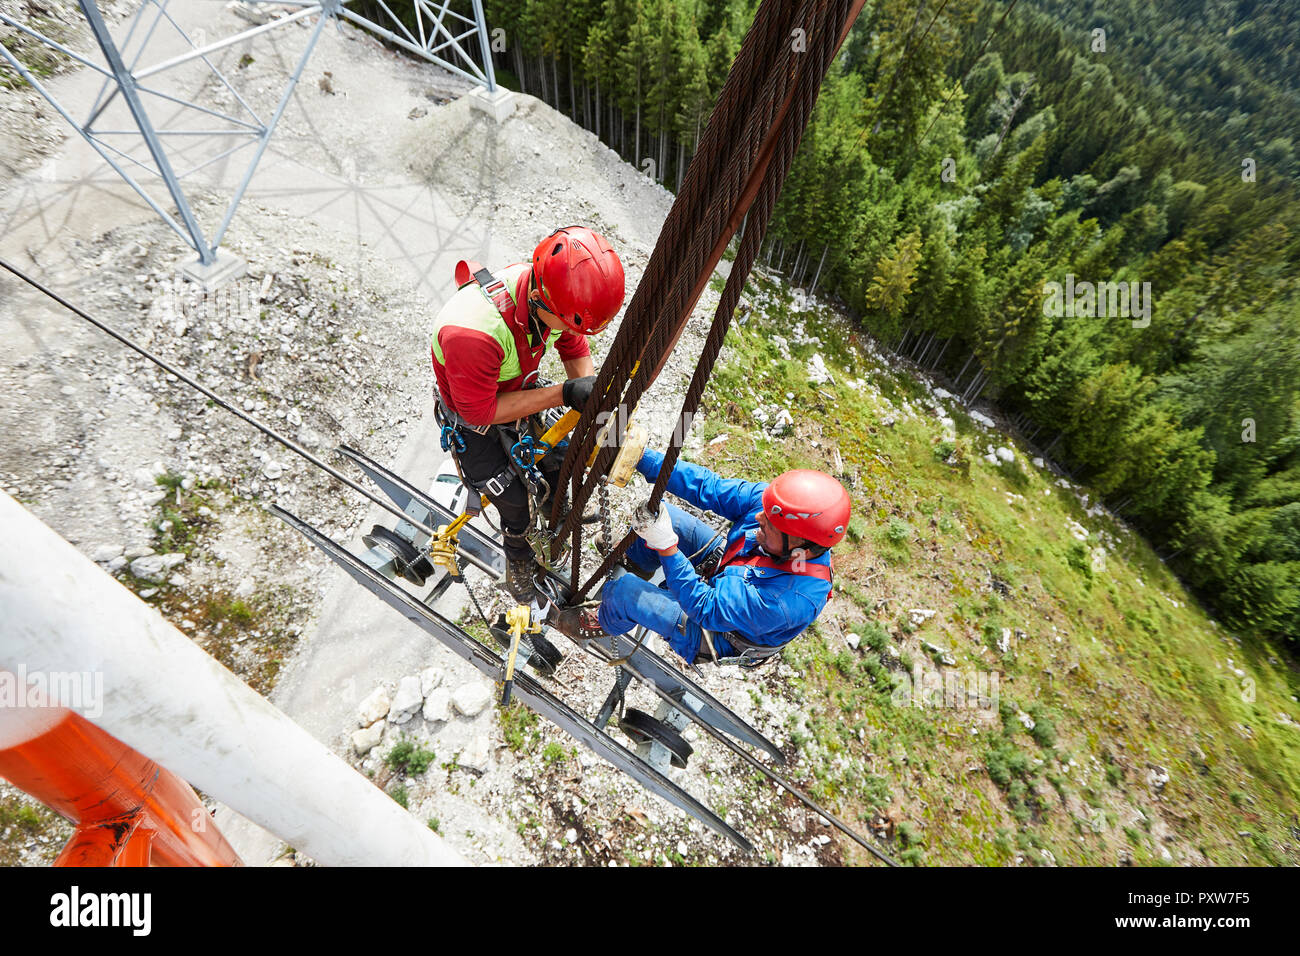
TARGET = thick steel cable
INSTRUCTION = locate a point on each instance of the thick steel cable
(647, 336)
(637, 334)
(700, 191)
(661, 339)
(808, 83)
(771, 100)
(767, 99)
(792, 131)
(724, 126)
(760, 214)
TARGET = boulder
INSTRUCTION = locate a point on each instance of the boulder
(478, 755)
(105, 553)
(406, 701)
(437, 706)
(366, 739)
(470, 699)
(373, 708)
(150, 568)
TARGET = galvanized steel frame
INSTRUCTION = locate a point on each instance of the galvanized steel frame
(439, 38)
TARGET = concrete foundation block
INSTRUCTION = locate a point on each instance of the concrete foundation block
(227, 267)
(498, 104)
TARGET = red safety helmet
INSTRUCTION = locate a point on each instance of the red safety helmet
(808, 504)
(579, 277)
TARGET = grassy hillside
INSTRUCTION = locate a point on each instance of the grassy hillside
(1086, 711)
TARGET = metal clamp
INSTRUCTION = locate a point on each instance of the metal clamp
(526, 452)
(442, 547)
(519, 619)
(452, 438)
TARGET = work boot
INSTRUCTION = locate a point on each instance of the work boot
(519, 578)
(579, 623)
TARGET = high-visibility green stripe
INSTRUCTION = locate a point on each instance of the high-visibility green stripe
(472, 308)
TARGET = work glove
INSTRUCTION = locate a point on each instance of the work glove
(655, 529)
(576, 391)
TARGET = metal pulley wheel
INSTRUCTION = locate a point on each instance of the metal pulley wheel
(643, 728)
(408, 561)
(545, 656)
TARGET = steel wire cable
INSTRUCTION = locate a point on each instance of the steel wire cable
(807, 86)
(170, 369)
(713, 177)
(962, 82)
(760, 103)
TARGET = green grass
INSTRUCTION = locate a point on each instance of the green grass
(232, 609)
(519, 727)
(41, 60)
(893, 541)
(408, 757)
(178, 524)
(1112, 673)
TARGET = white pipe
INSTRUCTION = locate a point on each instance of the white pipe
(222, 44)
(162, 695)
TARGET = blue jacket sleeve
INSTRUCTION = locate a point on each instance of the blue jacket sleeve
(731, 498)
(731, 603)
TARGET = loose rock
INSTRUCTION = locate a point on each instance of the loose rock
(373, 708)
(366, 739)
(470, 699)
(407, 700)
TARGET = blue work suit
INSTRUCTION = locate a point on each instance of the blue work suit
(765, 605)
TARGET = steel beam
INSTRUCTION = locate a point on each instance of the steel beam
(126, 84)
(270, 128)
(203, 51)
(125, 80)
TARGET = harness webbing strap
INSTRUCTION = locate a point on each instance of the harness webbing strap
(729, 558)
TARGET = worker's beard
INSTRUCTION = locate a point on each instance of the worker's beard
(537, 329)
(785, 543)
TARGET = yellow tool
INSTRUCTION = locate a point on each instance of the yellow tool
(560, 429)
(519, 619)
(630, 451)
(442, 547)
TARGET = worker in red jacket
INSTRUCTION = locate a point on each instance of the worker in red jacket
(486, 350)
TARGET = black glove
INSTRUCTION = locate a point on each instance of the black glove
(576, 391)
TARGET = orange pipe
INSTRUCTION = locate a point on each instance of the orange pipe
(129, 811)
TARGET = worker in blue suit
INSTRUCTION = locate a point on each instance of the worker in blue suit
(761, 586)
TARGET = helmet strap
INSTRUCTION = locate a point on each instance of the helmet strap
(536, 327)
(784, 554)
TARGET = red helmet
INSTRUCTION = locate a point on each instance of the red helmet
(808, 504)
(579, 277)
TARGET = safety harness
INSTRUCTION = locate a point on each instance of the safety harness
(452, 423)
(468, 271)
(758, 560)
(751, 654)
